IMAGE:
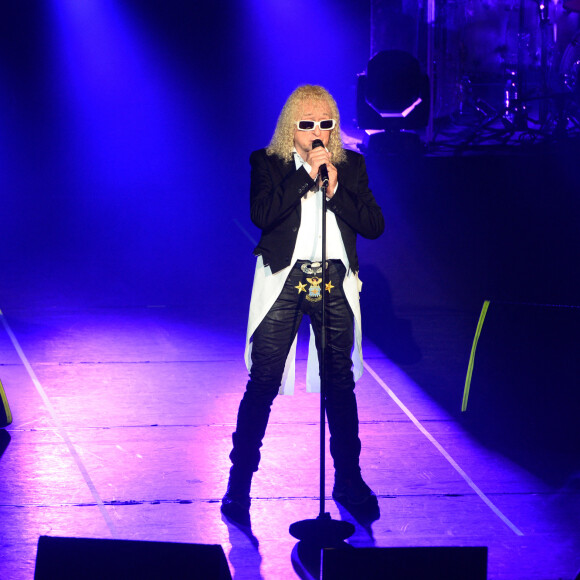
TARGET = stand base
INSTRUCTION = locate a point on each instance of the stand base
(324, 532)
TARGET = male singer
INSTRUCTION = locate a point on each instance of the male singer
(286, 204)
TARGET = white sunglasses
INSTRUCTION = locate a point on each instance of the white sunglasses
(324, 125)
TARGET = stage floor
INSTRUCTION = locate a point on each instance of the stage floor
(122, 429)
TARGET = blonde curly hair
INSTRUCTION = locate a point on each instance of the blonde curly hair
(282, 143)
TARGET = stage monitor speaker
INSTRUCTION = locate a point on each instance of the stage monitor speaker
(430, 563)
(92, 559)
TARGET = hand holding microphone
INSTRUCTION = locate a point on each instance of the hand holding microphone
(322, 170)
(319, 159)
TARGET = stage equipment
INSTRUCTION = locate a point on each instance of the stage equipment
(540, 99)
(5, 414)
(393, 94)
(95, 559)
(323, 531)
(4, 441)
(570, 66)
(451, 563)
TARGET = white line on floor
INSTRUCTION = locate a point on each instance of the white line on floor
(443, 452)
(61, 431)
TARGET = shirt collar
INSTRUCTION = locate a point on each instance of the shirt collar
(298, 159)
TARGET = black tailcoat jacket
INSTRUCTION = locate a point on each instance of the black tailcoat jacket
(275, 193)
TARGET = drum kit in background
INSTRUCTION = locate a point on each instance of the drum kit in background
(570, 64)
(518, 58)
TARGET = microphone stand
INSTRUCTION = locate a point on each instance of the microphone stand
(322, 532)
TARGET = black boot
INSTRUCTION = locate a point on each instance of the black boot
(251, 425)
(236, 502)
(357, 497)
(352, 491)
(349, 487)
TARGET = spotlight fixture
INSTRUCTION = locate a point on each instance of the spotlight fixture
(393, 94)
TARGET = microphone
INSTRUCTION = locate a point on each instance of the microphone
(322, 170)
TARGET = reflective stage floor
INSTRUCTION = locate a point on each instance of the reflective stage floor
(122, 426)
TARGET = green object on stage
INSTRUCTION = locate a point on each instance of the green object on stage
(5, 414)
(472, 356)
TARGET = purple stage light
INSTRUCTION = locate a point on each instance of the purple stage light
(122, 110)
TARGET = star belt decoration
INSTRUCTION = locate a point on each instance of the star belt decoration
(301, 287)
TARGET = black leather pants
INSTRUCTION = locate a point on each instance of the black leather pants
(271, 344)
